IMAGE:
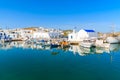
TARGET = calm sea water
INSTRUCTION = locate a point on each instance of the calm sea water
(18, 63)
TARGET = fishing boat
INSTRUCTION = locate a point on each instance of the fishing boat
(65, 44)
(113, 40)
(54, 45)
(100, 43)
(87, 43)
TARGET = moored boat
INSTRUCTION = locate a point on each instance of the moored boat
(65, 44)
(112, 40)
(87, 43)
(100, 43)
(54, 45)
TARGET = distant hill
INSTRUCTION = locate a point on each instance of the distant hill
(66, 32)
(109, 34)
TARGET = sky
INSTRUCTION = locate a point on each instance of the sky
(100, 15)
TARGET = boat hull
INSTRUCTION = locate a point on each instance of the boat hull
(113, 40)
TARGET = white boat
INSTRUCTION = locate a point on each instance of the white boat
(87, 43)
(112, 40)
(100, 43)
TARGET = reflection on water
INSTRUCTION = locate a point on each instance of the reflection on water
(36, 62)
(99, 50)
(73, 48)
(114, 47)
(84, 51)
(20, 44)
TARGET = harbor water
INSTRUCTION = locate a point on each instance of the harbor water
(26, 62)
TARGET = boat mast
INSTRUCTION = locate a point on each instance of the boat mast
(113, 28)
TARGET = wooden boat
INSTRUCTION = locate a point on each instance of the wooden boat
(65, 44)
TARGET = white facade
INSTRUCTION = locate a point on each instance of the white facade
(81, 35)
(13, 36)
(54, 34)
(41, 35)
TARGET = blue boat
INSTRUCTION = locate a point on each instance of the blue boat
(54, 45)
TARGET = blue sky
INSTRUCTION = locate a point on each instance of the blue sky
(64, 14)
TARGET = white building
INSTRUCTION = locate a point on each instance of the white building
(41, 35)
(54, 34)
(27, 34)
(81, 35)
(14, 35)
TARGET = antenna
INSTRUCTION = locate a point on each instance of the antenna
(113, 28)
